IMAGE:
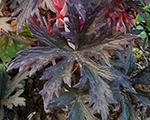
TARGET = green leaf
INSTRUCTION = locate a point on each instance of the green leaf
(15, 81)
(4, 93)
(24, 34)
(139, 18)
(148, 25)
(139, 27)
(13, 4)
(3, 66)
(9, 47)
(15, 100)
(143, 34)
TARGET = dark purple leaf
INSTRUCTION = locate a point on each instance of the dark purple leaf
(35, 57)
(47, 39)
(138, 9)
(114, 42)
(74, 26)
(147, 2)
(80, 112)
(142, 98)
(55, 74)
(25, 9)
(92, 42)
(128, 111)
(63, 101)
(142, 77)
(100, 91)
(79, 7)
(130, 65)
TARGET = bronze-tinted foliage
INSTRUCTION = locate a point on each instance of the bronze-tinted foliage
(91, 44)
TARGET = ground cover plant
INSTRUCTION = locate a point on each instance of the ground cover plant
(85, 52)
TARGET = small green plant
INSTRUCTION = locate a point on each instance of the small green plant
(7, 87)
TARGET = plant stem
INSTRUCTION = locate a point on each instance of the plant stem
(49, 23)
(18, 39)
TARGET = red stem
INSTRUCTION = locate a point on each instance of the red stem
(41, 21)
(49, 23)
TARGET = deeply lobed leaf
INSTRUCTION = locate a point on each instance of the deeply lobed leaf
(80, 112)
(142, 77)
(55, 74)
(45, 38)
(100, 91)
(63, 101)
(25, 9)
(36, 58)
(88, 49)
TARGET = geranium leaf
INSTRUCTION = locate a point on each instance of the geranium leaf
(80, 112)
(130, 65)
(114, 42)
(142, 97)
(74, 26)
(54, 82)
(100, 91)
(39, 59)
(16, 80)
(128, 111)
(25, 9)
(90, 47)
(142, 77)
(47, 39)
(79, 7)
(77, 35)
(49, 4)
(147, 2)
(94, 20)
(63, 100)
